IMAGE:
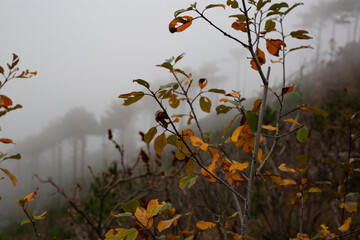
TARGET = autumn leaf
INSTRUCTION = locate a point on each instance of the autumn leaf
(132, 97)
(150, 134)
(164, 224)
(211, 168)
(185, 22)
(238, 166)
(291, 120)
(9, 174)
(153, 208)
(349, 206)
(345, 227)
(159, 143)
(6, 140)
(233, 94)
(122, 233)
(203, 82)
(31, 196)
(287, 90)
(270, 128)
(141, 216)
(205, 225)
(197, 142)
(187, 133)
(326, 233)
(274, 46)
(243, 137)
(260, 55)
(284, 168)
(240, 26)
(256, 105)
(5, 102)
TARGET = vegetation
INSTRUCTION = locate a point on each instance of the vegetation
(286, 167)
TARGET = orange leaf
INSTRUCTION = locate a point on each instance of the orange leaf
(233, 94)
(12, 177)
(141, 216)
(288, 182)
(274, 46)
(287, 90)
(260, 55)
(239, 26)
(187, 133)
(203, 82)
(205, 225)
(224, 100)
(257, 104)
(326, 233)
(164, 224)
(31, 196)
(6, 140)
(197, 142)
(5, 101)
(349, 206)
(238, 166)
(291, 120)
(283, 168)
(270, 128)
(185, 22)
(153, 208)
(345, 227)
(187, 232)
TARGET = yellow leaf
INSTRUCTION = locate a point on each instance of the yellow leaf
(270, 128)
(256, 105)
(211, 169)
(164, 224)
(153, 208)
(187, 133)
(238, 166)
(197, 142)
(288, 182)
(12, 177)
(31, 196)
(205, 225)
(141, 217)
(283, 168)
(346, 225)
(291, 120)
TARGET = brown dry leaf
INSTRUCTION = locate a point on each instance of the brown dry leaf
(239, 26)
(260, 55)
(256, 105)
(274, 46)
(5, 101)
(6, 140)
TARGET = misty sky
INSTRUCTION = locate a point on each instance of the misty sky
(87, 52)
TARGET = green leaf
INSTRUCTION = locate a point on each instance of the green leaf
(215, 5)
(302, 160)
(261, 4)
(252, 120)
(236, 103)
(166, 65)
(25, 220)
(178, 58)
(181, 71)
(205, 104)
(222, 109)
(150, 134)
(130, 206)
(123, 233)
(240, 17)
(174, 85)
(132, 97)
(125, 214)
(215, 90)
(160, 143)
(317, 236)
(323, 182)
(16, 156)
(187, 181)
(292, 7)
(172, 139)
(232, 3)
(190, 166)
(270, 25)
(300, 34)
(314, 190)
(298, 94)
(180, 11)
(277, 6)
(142, 82)
(319, 111)
(190, 237)
(331, 160)
(302, 134)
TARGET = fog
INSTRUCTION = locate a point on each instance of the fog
(87, 52)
